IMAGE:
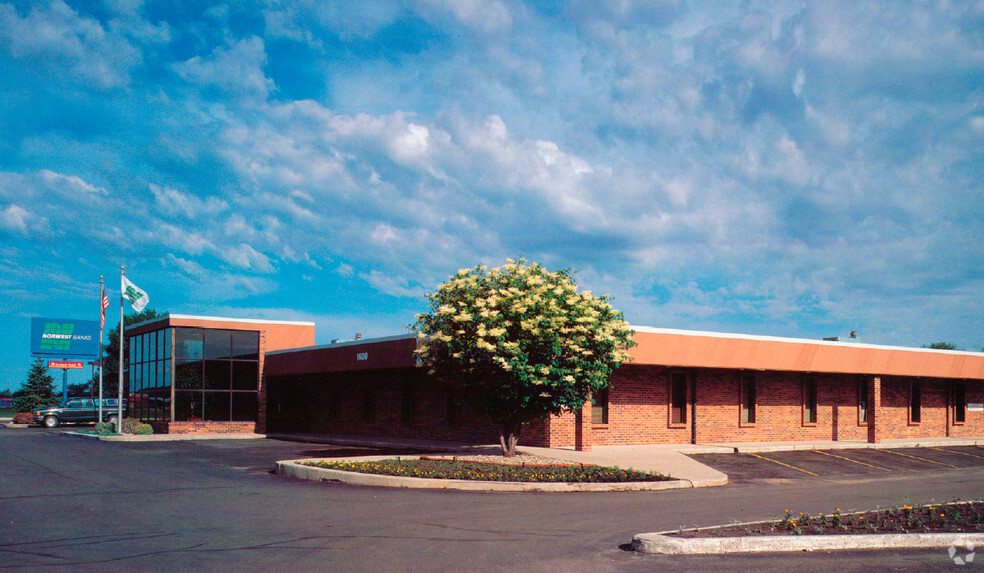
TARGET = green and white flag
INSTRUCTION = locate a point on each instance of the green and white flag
(137, 297)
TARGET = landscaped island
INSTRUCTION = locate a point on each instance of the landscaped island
(953, 517)
(485, 471)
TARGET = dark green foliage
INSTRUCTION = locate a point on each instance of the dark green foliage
(83, 389)
(38, 391)
(942, 346)
(133, 426)
(104, 428)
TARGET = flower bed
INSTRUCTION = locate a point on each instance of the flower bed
(953, 517)
(483, 471)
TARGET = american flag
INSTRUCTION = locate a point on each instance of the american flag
(103, 305)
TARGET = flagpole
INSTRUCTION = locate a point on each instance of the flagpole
(102, 315)
(119, 417)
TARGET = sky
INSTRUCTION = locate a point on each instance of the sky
(797, 169)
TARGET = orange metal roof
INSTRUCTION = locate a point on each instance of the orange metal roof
(684, 348)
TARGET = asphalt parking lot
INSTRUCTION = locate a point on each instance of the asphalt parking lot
(835, 464)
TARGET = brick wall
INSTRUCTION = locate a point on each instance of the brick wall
(371, 403)
(203, 427)
(974, 424)
(638, 409)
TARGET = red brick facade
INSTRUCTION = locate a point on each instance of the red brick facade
(639, 409)
(679, 387)
(203, 427)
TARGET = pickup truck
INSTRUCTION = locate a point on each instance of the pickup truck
(77, 410)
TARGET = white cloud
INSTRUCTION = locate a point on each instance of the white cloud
(391, 285)
(486, 16)
(58, 39)
(237, 69)
(185, 205)
(17, 219)
(760, 165)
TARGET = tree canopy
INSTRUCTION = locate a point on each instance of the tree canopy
(38, 390)
(521, 342)
(942, 346)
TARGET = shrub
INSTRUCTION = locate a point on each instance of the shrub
(23, 418)
(104, 428)
(131, 426)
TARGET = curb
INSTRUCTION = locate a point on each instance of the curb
(295, 469)
(663, 544)
(162, 437)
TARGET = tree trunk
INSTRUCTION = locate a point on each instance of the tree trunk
(508, 438)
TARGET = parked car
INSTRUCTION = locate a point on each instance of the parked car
(77, 411)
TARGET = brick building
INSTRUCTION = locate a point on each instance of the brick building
(679, 387)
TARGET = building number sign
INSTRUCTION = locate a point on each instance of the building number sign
(362, 356)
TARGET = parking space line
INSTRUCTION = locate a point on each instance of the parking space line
(850, 460)
(955, 452)
(918, 458)
(782, 464)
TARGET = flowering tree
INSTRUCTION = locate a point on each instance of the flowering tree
(521, 342)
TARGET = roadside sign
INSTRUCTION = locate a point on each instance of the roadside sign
(64, 338)
(64, 364)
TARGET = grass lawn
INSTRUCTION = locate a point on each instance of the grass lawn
(953, 517)
(7, 412)
(482, 471)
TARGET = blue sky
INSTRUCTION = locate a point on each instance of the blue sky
(797, 169)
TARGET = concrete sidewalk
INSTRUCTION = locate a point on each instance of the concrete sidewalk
(668, 460)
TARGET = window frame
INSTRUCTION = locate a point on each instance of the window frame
(673, 407)
(810, 393)
(600, 411)
(915, 402)
(408, 403)
(959, 403)
(747, 410)
(864, 401)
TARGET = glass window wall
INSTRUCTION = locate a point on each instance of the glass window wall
(213, 375)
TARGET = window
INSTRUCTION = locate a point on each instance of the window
(368, 405)
(862, 401)
(915, 402)
(599, 407)
(810, 401)
(453, 409)
(215, 376)
(747, 399)
(959, 403)
(408, 403)
(334, 402)
(678, 398)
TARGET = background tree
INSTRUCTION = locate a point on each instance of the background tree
(38, 390)
(111, 352)
(521, 342)
(942, 346)
(85, 389)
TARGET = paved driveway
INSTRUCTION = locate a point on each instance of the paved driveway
(843, 463)
(76, 505)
